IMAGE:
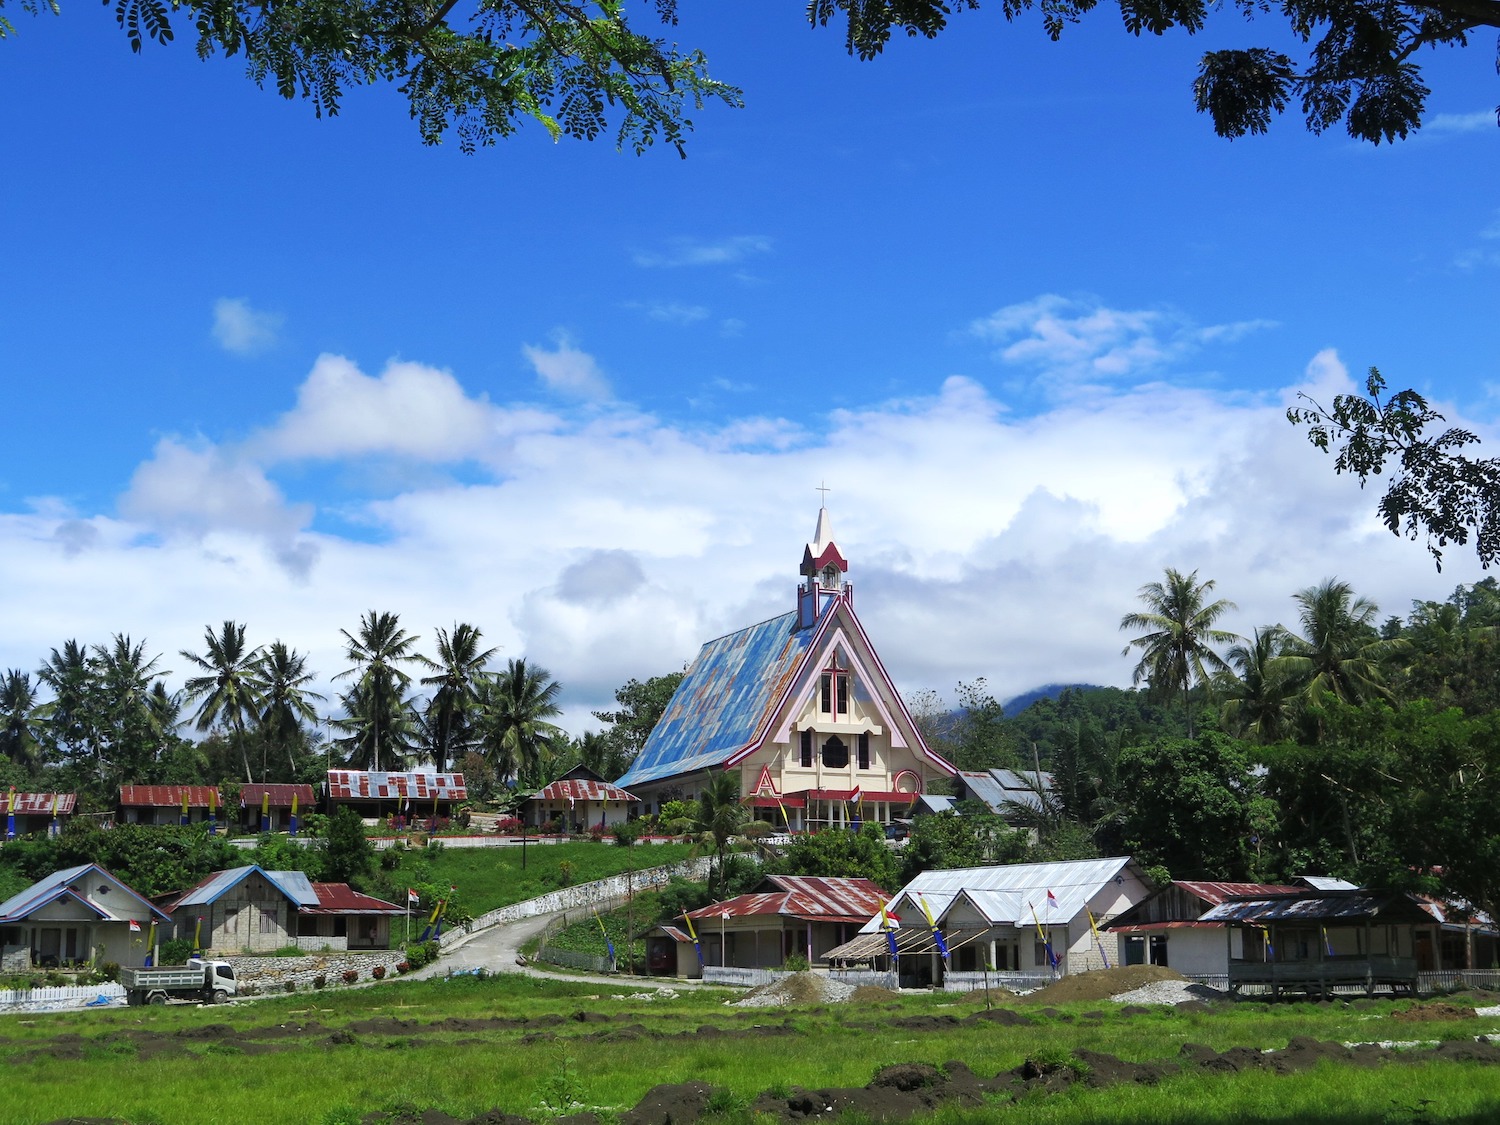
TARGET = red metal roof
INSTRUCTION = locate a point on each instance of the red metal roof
(341, 898)
(1215, 893)
(582, 789)
(281, 796)
(354, 785)
(167, 796)
(810, 898)
(40, 804)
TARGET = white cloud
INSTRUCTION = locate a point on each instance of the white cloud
(567, 370)
(982, 541)
(244, 330)
(670, 312)
(408, 410)
(1080, 343)
(1461, 122)
(693, 252)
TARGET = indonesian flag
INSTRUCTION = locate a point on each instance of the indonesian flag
(856, 796)
(1051, 899)
(889, 919)
(135, 927)
(412, 896)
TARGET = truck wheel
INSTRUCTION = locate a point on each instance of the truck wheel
(220, 996)
(156, 999)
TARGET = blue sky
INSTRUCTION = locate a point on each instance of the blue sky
(1033, 323)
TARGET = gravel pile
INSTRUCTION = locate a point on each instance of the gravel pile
(797, 988)
(1168, 992)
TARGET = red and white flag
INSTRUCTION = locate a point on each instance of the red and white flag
(135, 927)
(1051, 899)
(412, 896)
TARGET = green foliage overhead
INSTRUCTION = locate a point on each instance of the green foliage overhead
(151, 859)
(348, 857)
(841, 854)
(1435, 491)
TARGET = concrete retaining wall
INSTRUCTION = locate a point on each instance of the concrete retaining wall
(271, 974)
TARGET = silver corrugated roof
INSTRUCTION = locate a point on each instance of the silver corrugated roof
(293, 884)
(1011, 890)
(297, 886)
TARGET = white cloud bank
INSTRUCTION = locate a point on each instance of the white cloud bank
(605, 543)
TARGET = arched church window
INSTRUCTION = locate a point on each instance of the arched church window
(833, 692)
(835, 754)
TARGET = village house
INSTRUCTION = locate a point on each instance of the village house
(271, 807)
(1167, 928)
(579, 801)
(77, 915)
(378, 795)
(26, 813)
(788, 916)
(800, 709)
(1024, 918)
(250, 910)
(168, 804)
(1012, 796)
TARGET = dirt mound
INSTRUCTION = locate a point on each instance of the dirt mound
(1424, 1013)
(796, 989)
(1100, 984)
(872, 994)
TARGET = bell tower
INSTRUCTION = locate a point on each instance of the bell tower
(823, 570)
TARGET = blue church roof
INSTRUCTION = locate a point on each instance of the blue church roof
(723, 699)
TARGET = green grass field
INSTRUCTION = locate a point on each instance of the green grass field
(328, 1057)
(489, 878)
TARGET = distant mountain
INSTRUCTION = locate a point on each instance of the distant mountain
(1014, 707)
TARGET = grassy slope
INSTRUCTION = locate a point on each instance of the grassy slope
(466, 1071)
(488, 878)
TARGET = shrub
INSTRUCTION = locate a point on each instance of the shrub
(508, 826)
(390, 859)
(378, 972)
(320, 980)
(419, 954)
(350, 975)
(565, 873)
(627, 833)
(176, 951)
(596, 833)
(403, 966)
(796, 963)
(290, 986)
(108, 971)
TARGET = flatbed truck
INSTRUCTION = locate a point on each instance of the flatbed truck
(211, 982)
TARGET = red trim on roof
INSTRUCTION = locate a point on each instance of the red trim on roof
(167, 796)
(281, 796)
(40, 804)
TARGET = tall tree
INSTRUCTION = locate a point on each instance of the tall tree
(286, 700)
(516, 712)
(71, 716)
(20, 720)
(129, 727)
(640, 708)
(1257, 693)
(1178, 636)
(718, 819)
(1339, 654)
(457, 672)
(229, 691)
(378, 699)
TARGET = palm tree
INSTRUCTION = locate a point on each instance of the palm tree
(381, 731)
(285, 698)
(130, 733)
(230, 688)
(20, 720)
(516, 709)
(458, 670)
(1339, 653)
(71, 716)
(1179, 630)
(1256, 693)
(378, 653)
(719, 818)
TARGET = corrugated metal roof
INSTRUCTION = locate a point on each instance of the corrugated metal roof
(1314, 906)
(60, 884)
(1215, 893)
(910, 940)
(40, 804)
(1007, 893)
(1327, 883)
(167, 796)
(281, 796)
(582, 789)
(293, 884)
(999, 788)
(353, 785)
(807, 897)
(341, 898)
(723, 699)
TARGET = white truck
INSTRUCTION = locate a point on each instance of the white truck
(212, 982)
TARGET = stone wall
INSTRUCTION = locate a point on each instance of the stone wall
(270, 974)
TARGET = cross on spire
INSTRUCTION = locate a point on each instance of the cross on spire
(825, 490)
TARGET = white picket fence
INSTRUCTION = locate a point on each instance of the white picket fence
(59, 996)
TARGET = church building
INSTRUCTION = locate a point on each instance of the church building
(800, 709)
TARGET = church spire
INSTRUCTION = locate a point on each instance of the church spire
(823, 568)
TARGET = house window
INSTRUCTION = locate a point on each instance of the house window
(267, 921)
(833, 692)
(1159, 949)
(1135, 951)
(835, 754)
(1041, 954)
(807, 741)
(231, 921)
(863, 745)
